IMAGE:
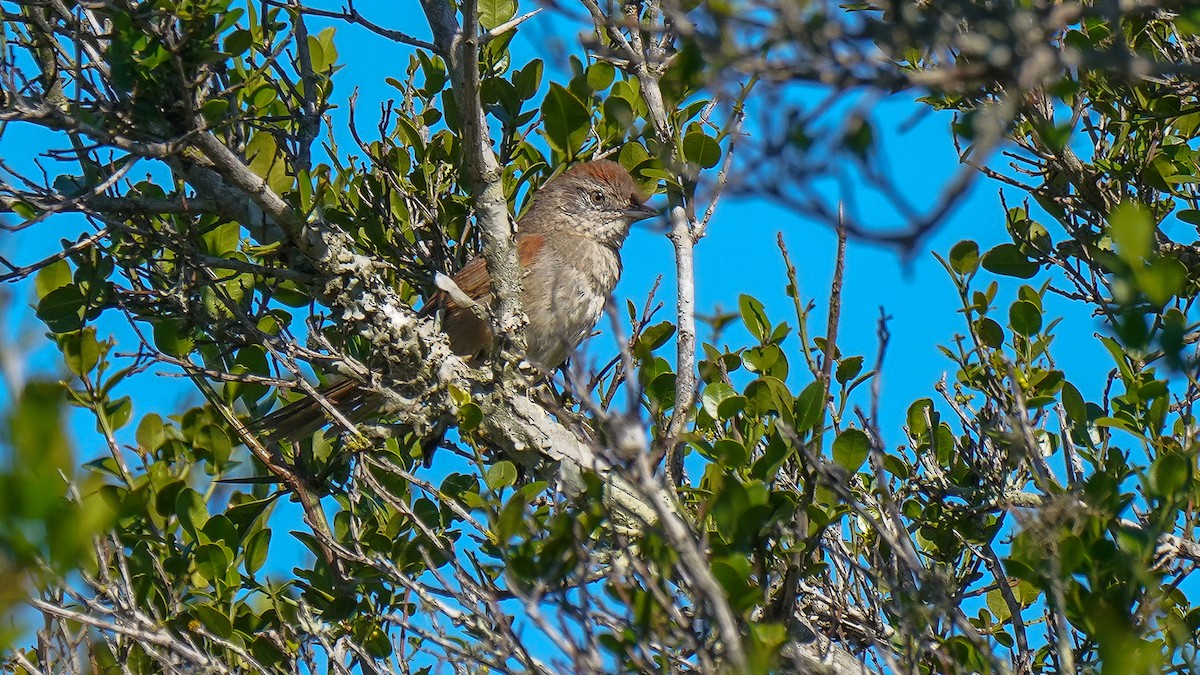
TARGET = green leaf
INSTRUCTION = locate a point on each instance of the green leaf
(769, 637)
(730, 407)
(174, 337)
(1030, 294)
(150, 433)
(1055, 136)
(1132, 232)
(52, 277)
(1074, 405)
(71, 186)
(1189, 216)
(850, 449)
(212, 562)
(701, 149)
(1118, 423)
(214, 620)
(433, 69)
(527, 80)
(262, 153)
(766, 395)
(733, 573)
(220, 528)
(712, 397)
(1170, 474)
(996, 603)
(848, 369)
(80, 350)
(766, 360)
(1032, 237)
(810, 405)
(943, 442)
(238, 41)
(214, 110)
(920, 415)
(567, 122)
(989, 333)
(378, 643)
(427, 512)
(105, 465)
(38, 441)
(256, 550)
(191, 511)
(248, 512)
(600, 75)
(859, 137)
(324, 51)
(656, 336)
(62, 309)
(632, 156)
(221, 241)
(118, 412)
(1007, 260)
(731, 453)
(1120, 358)
(512, 518)
(501, 475)
(964, 257)
(661, 391)
(215, 441)
(458, 395)
(492, 13)
(1161, 280)
(1025, 318)
(23, 210)
(754, 315)
(469, 416)
(897, 466)
(1026, 593)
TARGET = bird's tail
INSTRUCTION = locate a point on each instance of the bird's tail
(310, 414)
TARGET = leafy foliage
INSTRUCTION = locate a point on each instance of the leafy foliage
(1019, 525)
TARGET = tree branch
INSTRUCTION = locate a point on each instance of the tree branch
(460, 45)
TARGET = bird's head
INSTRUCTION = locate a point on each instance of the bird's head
(597, 199)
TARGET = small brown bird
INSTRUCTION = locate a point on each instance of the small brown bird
(568, 245)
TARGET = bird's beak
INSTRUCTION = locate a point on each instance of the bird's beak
(640, 212)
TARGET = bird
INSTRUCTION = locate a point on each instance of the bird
(569, 250)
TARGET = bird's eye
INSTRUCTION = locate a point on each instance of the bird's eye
(598, 196)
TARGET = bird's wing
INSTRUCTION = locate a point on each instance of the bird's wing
(473, 278)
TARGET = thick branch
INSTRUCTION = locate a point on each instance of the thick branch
(685, 340)
(460, 44)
